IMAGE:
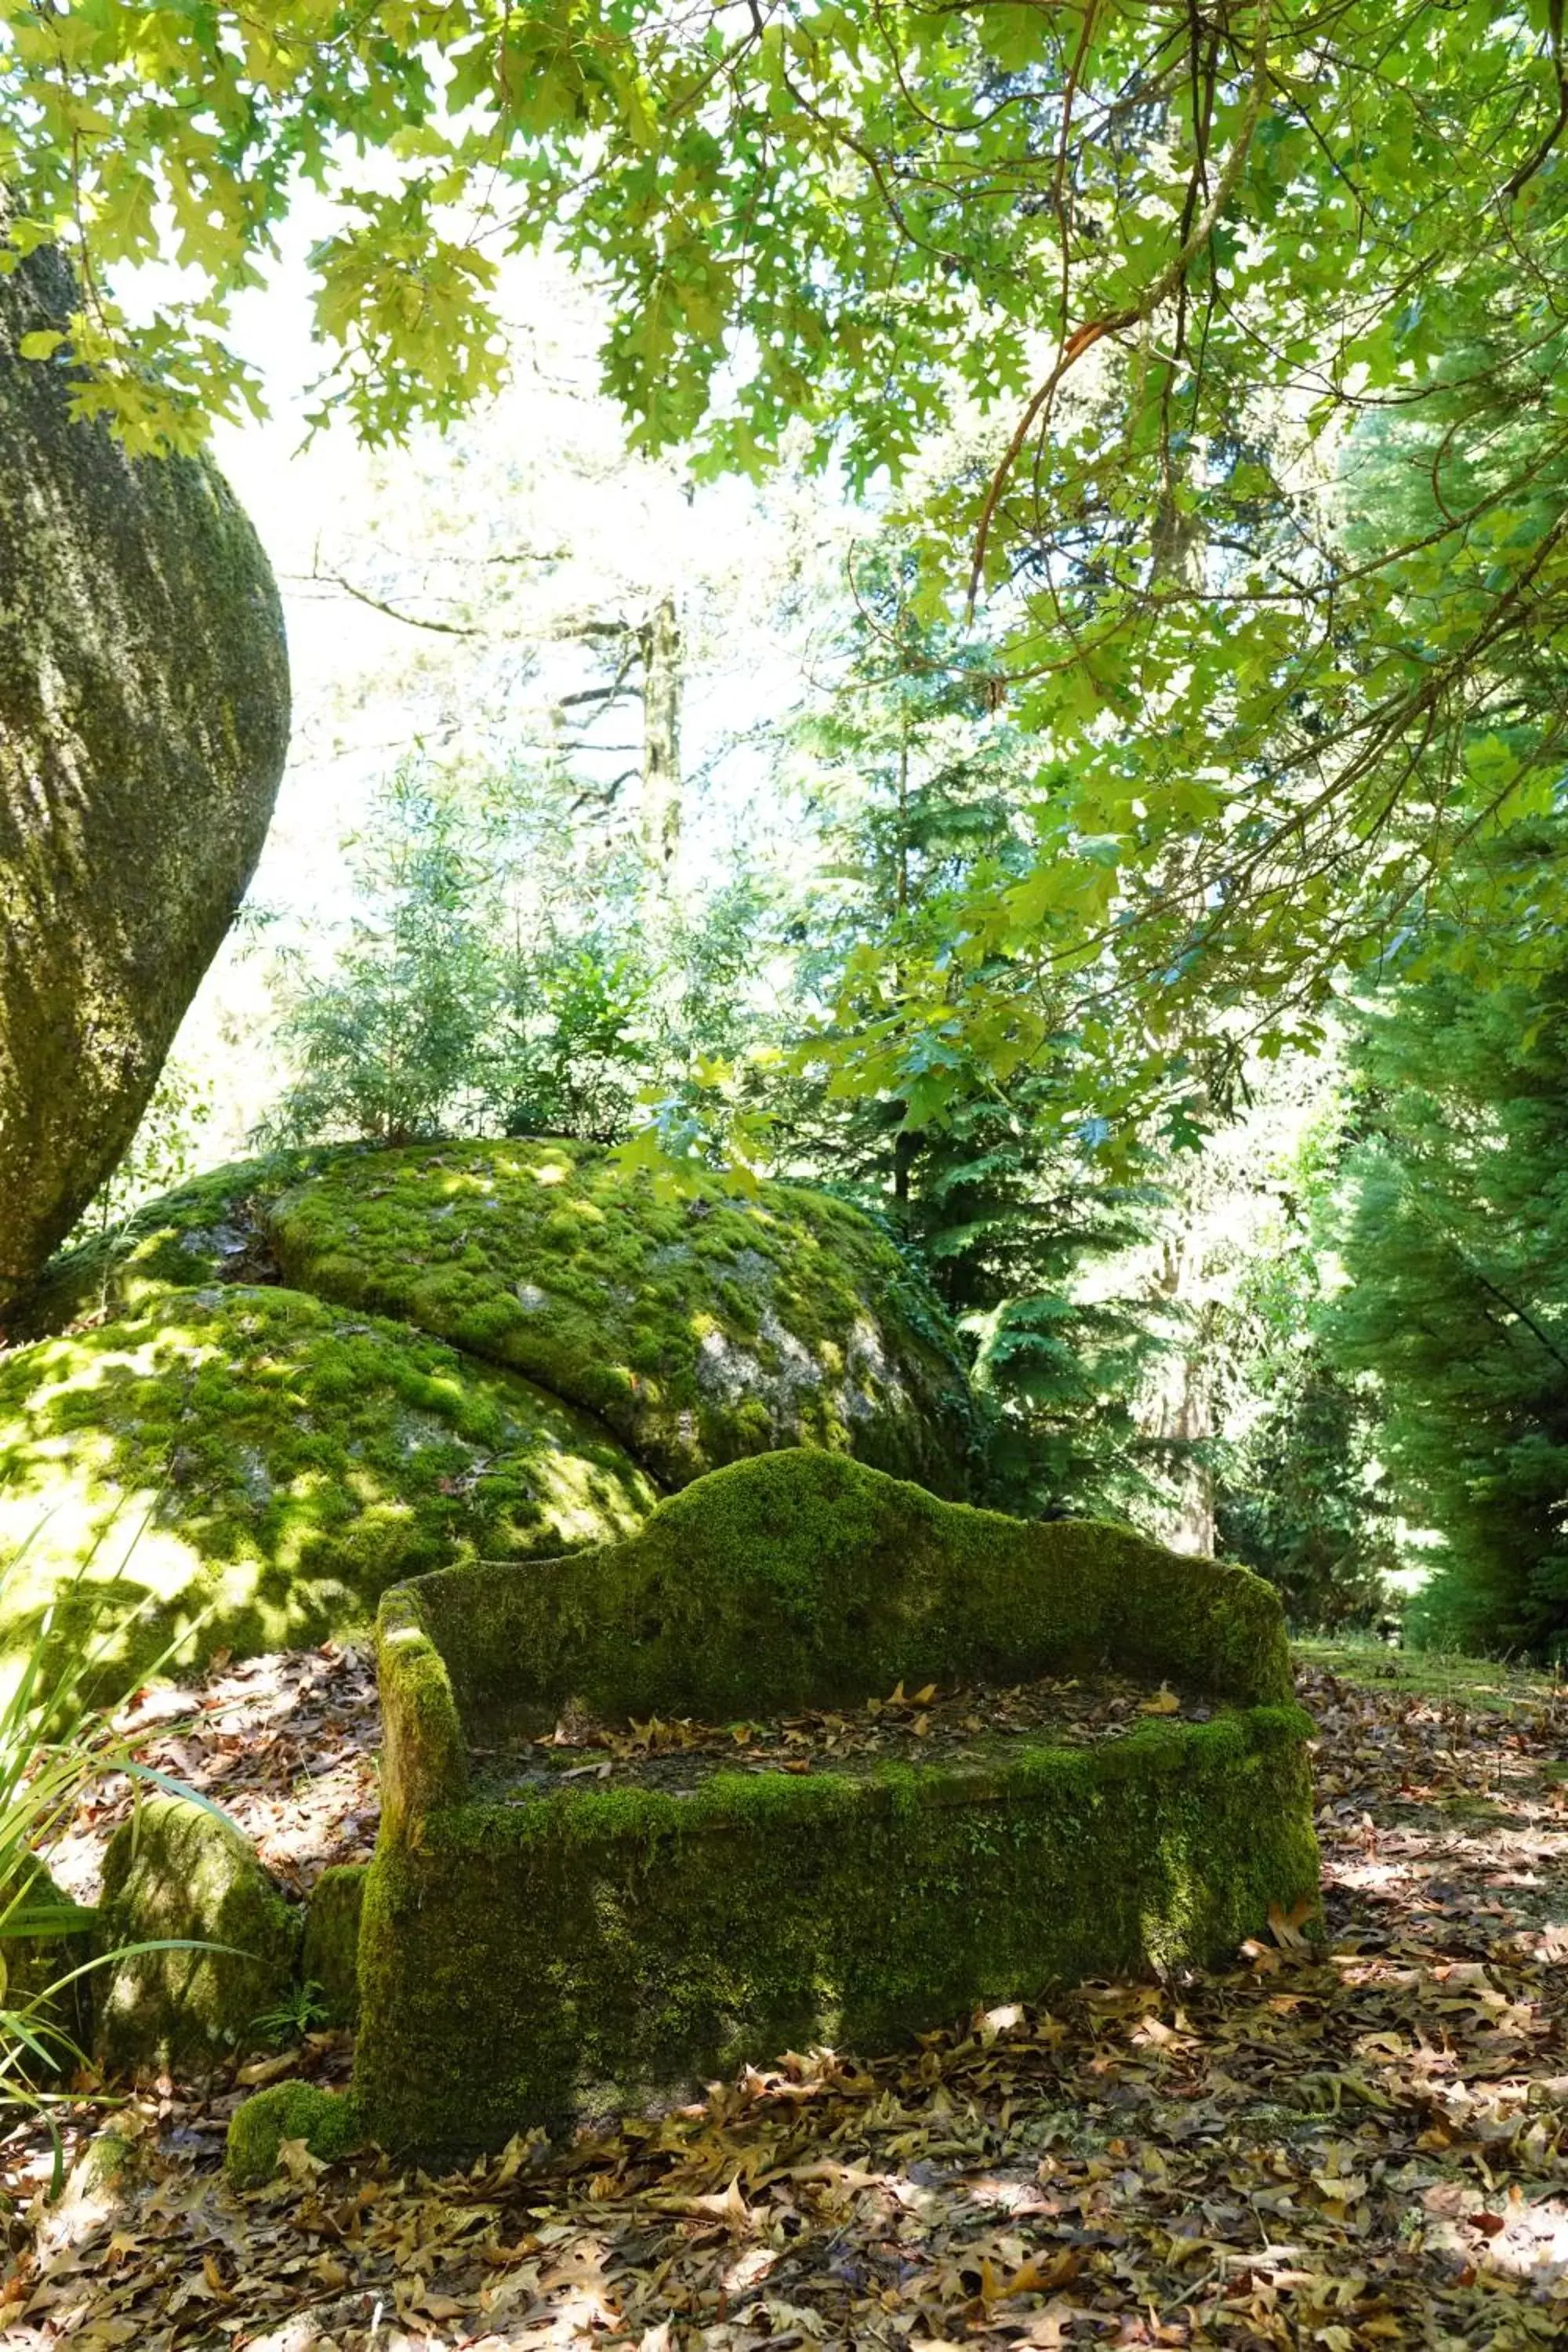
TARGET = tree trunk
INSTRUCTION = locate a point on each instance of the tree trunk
(144, 722)
(1179, 1413)
(661, 641)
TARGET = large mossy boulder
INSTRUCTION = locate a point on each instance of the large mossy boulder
(500, 1350)
(276, 1461)
(177, 1875)
(144, 722)
(700, 1328)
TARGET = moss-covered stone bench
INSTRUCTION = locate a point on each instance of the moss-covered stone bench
(541, 1943)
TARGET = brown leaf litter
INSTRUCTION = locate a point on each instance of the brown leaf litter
(1354, 2154)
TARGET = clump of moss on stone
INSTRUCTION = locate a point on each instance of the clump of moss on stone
(178, 1873)
(108, 2165)
(207, 1231)
(276, 1463)
(701, 1329)
(327, 2121)
(803, 1577)
(330, 1957)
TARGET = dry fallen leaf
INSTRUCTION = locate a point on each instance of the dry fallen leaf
(1335, 2158)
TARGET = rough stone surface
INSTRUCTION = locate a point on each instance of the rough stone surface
(269, 1464)
(701, 1329)
(175, 1871)
(144, 722)
(330, 1960)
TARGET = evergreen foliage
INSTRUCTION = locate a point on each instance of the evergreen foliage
(1455, 1241)
(920, 787)
(498, 979)
(391, 1044)
(1300, 1489)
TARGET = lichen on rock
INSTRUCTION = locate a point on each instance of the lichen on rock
(701, 1328)
(177, 1873)
(253, 1467)
(144, 722)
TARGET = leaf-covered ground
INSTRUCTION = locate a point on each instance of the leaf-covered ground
(1364, 2152)
(971, 1723)
(286, 1744)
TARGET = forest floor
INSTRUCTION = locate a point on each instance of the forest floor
(1356, 2153)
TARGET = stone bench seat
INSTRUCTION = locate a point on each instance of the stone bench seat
(537, 1949)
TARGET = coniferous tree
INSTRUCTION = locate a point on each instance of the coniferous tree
(921, 788)
(1455, 1243)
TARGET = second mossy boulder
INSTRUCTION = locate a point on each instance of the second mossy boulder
(178, 1875)
(701, 1326)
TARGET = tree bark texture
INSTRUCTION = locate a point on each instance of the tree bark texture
(143, 723)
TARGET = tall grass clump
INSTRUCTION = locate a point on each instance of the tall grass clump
(54, 1743)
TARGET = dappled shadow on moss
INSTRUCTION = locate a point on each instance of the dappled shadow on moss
(252, 1468)
(701, 1326)
(209, 1230)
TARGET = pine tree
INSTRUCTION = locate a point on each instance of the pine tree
(1454, 1241)
(920, 788)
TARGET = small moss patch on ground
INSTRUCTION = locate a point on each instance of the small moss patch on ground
(701, 1329)
(1429, 1673)
(327, 2122)
(276, 1461)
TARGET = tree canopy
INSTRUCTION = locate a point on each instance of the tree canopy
(1203, 266)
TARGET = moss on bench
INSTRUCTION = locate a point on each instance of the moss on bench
(803, 1577)
(530, 1957)
(538, 1962)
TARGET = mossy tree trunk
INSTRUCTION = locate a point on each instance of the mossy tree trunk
(144, 722)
